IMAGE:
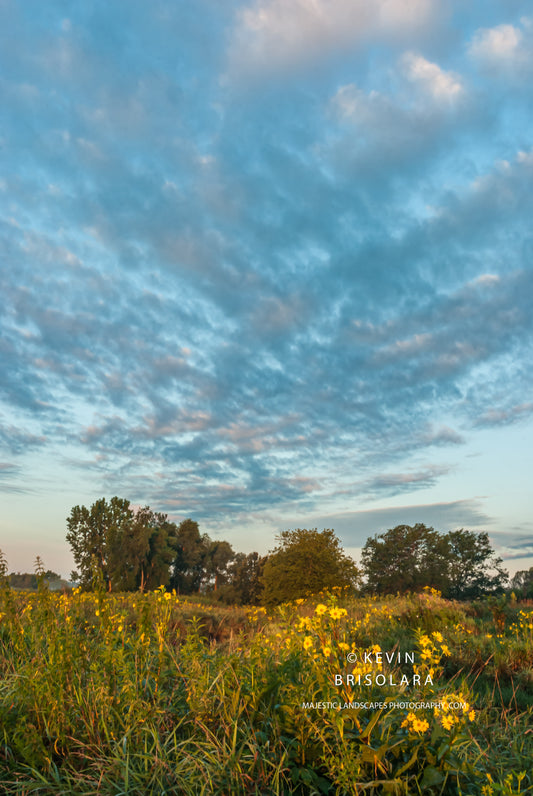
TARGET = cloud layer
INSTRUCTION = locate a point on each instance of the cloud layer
(260, 257)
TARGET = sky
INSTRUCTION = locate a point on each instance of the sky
(268, 265)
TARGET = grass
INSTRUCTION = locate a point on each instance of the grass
(153, 694)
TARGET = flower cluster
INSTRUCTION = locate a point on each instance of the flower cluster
(414, 724)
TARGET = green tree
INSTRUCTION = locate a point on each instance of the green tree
(120, 547)
(4, 580)
(141, 550)
(461, 564)
(474, 569)
(246, 577)
(305, 562)
(405, 558)
(189, 568)
(219, 555)
(522, 583)
(243, 580)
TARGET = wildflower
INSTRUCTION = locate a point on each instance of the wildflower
(167, 595)
(472, 715)
(308, 642)
(447, 722)
(336, 613)
(438, 636)
(321, 609)
(326, 651)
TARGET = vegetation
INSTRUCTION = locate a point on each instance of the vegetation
(152, 693)
(305, 562)
(121, 548)
(522, 583)
(461, 564)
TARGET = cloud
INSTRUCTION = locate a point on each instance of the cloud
(499, 417)
(354, 527)
(496, 44)
(512, 546)
(230, 303)
(276, 34)
(440, 85)
(505, 48)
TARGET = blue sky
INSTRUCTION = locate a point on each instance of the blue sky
(267, 265)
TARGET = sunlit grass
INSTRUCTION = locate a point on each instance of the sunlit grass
(140, 694)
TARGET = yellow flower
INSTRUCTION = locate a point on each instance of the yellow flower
(335, 613)
(321, 609)
(308, 642)
(326, 651)
(168, 595)
(438, 636)
(445, 650)
(472, 715)
(447, 722)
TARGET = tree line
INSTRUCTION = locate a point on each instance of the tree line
(118, 547)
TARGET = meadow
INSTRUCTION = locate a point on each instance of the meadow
(160, 694)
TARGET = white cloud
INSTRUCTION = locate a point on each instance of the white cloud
(495, 44)
(504, 49)
(431, 78)
(276, 33)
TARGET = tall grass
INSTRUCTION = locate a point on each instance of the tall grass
(152, 694)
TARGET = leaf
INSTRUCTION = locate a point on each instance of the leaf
(432, 776)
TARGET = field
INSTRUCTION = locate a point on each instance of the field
(152, 694)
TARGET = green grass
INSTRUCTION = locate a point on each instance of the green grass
(152, 694)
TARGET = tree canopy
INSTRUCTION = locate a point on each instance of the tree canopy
(461, 563)
(305, 562)
(121, 547)
(522, 583)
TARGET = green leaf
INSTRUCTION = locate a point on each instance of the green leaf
(432, 776)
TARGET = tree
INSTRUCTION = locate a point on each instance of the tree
(246, 577)
(404, 559)
(4, 582)
(218, 556)
(474, 569)
(243, 580)
(305, 562)
(189, 568)
(461, 564)
(141, 550)
(522, 583)
(120, 547)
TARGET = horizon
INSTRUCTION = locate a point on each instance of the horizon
(267, 265)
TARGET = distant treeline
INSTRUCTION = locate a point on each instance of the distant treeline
(120, 548)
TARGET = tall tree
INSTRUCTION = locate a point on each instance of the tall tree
(123, 548)
(405, 558)
(219, 555)
(460, 563)
(245, 578)
(522, 582)
(189, 568)
(474, 568)
(304, 562)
